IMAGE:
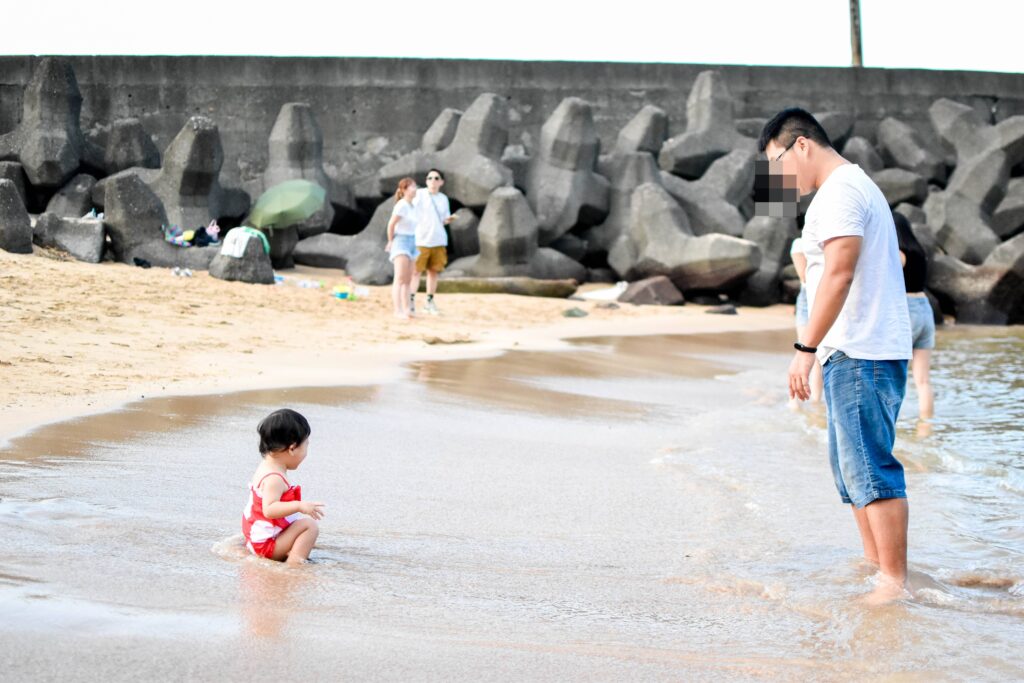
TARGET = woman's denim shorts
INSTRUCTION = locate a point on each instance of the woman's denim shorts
(863, 399)
(803, 316)
(922, 322)
(404, 245)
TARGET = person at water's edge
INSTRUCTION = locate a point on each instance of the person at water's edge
(859, 327)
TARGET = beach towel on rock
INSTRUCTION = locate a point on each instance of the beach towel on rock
(234, 243)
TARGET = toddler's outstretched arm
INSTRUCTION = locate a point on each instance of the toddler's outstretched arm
(274, 508)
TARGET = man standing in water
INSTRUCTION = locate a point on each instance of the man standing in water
(859, 328)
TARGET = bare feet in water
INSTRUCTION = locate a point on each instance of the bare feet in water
(887, 590)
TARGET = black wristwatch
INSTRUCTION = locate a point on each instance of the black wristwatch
(806, 349)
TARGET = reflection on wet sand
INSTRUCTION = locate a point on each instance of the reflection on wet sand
(155, 415)
(267, 593)
(509, 381)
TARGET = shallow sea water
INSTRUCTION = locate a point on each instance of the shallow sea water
(632, 508)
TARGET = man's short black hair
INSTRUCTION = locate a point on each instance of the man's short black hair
(281, 429)
(437, 171)
(788, 125)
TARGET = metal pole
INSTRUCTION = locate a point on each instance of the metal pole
(858, 56)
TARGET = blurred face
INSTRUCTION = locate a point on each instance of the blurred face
(410, 192)
(791, 164)
(434, 182)
(782, 177)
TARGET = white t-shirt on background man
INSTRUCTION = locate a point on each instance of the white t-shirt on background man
(431, 211)
(874, 323)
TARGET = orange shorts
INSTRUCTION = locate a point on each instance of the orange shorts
(431, 258)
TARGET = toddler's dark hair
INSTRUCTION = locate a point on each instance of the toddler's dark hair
(281, 429)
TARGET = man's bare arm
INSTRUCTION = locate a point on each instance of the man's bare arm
(841, 255)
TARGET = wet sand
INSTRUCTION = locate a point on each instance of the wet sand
(621, 508)
(78, 338)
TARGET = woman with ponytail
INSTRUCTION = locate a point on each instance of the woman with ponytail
(401, 245)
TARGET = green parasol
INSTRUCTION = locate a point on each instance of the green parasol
(287, 203)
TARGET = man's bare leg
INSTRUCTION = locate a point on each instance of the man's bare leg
(866, 538)
(414, 285)
(887, 523)
(431, 282)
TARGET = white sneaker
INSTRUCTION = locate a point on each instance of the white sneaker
(431, 308)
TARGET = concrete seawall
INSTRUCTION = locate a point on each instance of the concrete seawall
(373, 110)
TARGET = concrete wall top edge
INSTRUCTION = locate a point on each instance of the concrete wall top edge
(320, 71)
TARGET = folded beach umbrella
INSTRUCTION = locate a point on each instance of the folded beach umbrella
(287, 203)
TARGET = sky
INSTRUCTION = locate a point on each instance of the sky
(983, 35)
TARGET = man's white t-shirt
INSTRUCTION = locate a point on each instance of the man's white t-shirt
(431, 210)
(874, 323)
(406, 224)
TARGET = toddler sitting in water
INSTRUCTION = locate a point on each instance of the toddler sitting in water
(270, 520)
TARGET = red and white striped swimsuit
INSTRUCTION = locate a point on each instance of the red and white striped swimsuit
(261, 532)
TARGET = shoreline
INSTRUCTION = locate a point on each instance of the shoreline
(214, 337)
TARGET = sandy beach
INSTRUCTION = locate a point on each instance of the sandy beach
(77, 338)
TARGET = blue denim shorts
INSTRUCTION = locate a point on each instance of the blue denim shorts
(922, 322)
(803, 315)
(404, 245)
(863, 399)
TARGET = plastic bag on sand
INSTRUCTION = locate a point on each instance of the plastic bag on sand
(607, 294)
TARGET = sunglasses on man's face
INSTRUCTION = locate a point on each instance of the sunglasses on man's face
(433, 177)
